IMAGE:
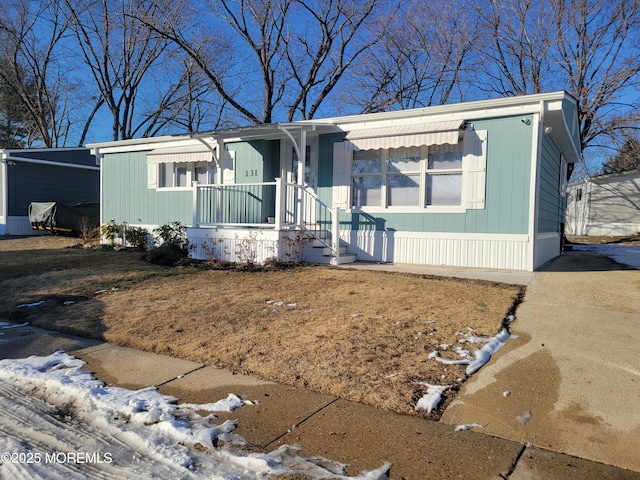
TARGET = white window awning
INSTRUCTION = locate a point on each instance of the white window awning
(414, 135)
(192, 153)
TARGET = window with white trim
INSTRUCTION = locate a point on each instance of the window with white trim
(407, 177)
(183, 174)
(445, 178)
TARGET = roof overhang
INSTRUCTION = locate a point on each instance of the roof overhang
(557, 110)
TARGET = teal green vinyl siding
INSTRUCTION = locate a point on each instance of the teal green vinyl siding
(550, 202)
(126, 198)
(509, 154)
(325, 166)
(256, 161)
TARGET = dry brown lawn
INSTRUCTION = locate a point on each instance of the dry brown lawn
(360, 335)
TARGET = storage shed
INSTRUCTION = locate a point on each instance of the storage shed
(63, 175)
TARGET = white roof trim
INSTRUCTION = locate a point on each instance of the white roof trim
(436, 133)
(192, 153)
(51, 163)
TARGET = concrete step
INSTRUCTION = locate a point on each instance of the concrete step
(346, 258)
(326, 251)
(318, 243)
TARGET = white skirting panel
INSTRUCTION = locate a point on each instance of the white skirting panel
(547, 247)
(508, 252)
(243, 245)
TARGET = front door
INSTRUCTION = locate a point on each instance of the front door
(310, 182)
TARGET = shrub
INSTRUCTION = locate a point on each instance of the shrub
(171, 245)
(88, 230)
(110, 231)
(137, 237)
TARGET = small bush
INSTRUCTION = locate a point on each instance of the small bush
(88, 231)
(171, 246)
(137, 237)
(110, 231)
(166, 254)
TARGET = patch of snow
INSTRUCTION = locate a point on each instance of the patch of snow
(467, 426)
(480, 356)
(72, 426)
(6, 325)
(432, 398)
(625, 254)
(28, 305)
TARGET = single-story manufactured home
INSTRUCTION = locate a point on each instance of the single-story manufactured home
(63, 175)
(604, 205)
(476, 184)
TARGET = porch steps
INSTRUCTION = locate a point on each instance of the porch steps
(317, 252)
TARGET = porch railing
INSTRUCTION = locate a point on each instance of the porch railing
(278, 205)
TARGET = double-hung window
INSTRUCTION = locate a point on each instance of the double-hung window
(444, 175)
(404, 167)
(367, 177)
(182, 174)
(415, 177)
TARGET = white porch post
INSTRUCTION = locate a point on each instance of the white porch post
(280, 200)
(195, 205)
(300, 217)
(335, 236)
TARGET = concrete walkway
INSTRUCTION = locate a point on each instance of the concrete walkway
(514, 277)
(575, 367)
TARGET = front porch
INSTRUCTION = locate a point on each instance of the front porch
(255, 222)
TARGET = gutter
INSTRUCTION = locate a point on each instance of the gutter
(10, 158)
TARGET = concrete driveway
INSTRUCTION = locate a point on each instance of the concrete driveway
(570, 381)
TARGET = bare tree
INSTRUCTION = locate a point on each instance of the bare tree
(588, 47)
(188, 103)
(597, 53)
(420, 60)
(517, 44)
(206, 45)
(261, 25)
(627, 158)
(120, 52)
(270, 58)
(330, 42)
(30, 35)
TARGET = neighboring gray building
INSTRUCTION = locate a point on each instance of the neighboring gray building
(63, 175)
(604, 205)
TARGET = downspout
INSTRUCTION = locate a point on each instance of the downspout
(534, 195)
(4, 187)
(95, 151)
